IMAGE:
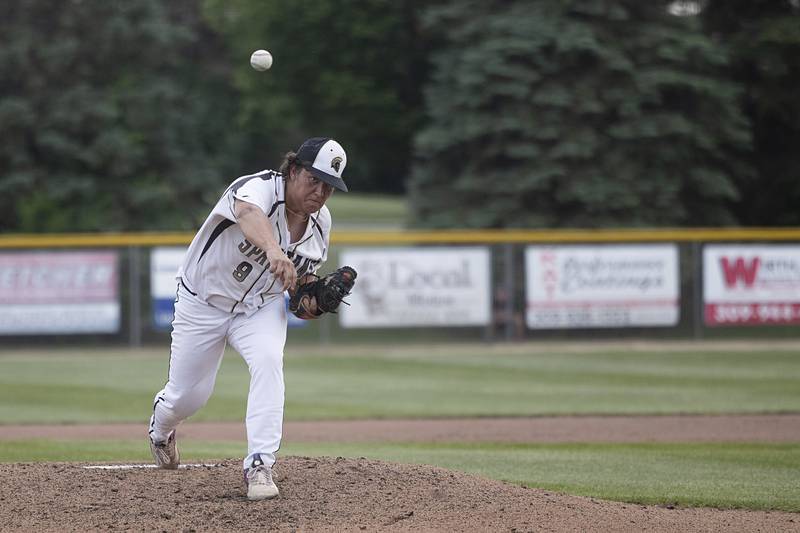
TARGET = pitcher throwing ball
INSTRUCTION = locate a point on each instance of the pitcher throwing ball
(268, 233)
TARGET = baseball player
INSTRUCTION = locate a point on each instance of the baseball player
(267, 230)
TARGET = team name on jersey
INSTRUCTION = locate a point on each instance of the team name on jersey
(250, 250)
(301, 263)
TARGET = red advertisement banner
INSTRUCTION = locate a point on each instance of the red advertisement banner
(59, 293)
(58, 277)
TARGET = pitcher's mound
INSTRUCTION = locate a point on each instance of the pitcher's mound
(332, 494)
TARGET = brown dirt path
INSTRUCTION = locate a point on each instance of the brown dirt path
(337, 494)
(667, 428)
(330, 494)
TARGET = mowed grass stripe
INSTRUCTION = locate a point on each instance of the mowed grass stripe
(74, 386)
(355, 208)
(750, 476)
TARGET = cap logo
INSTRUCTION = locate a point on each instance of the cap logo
(336, 162)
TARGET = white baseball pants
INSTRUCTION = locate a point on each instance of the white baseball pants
(199, 334)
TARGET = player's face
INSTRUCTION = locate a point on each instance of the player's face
(305, 192)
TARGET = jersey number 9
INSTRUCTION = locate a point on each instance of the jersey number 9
(242, 271)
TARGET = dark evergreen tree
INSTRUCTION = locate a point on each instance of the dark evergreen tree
(112, 116)
(347, 69)
(576, 114)
(763, 37)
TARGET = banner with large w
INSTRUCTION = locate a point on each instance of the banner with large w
(751, 284)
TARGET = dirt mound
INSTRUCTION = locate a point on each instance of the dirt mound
(326, 494)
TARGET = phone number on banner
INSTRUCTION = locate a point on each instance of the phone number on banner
(752, 313)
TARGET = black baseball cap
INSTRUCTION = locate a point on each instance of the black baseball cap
(325, 159)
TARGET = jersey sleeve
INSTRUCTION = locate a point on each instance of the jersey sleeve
(259, 190)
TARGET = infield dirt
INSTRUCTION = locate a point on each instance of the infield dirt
(659, 428)
(336, 494)
(327, 494)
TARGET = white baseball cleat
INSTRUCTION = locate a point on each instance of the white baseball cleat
(259, 481)
(166, 453)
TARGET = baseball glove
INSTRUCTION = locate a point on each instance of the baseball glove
(315, 296)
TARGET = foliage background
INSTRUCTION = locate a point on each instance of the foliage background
(135, 115)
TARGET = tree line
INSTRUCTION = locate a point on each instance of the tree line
(581, 113)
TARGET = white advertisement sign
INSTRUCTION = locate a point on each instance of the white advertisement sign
(403, 287)
(59, 293)
(751, 284)
(164, 263)
(602, 286)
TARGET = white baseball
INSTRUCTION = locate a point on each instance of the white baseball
(261, 60)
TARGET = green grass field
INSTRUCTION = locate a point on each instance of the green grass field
(100, 385)
(103, 385)
(354, 209)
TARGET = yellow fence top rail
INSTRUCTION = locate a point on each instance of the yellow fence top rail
(99, 240)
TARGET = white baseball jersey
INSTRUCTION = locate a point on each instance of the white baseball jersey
(230, 273)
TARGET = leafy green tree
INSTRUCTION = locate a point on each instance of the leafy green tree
(764, 39)
(112, 115)
(347, 69)
(582, 113)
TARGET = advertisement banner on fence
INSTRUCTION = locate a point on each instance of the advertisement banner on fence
(59, 293)
(601, 286)
(406, 287)
(749, 285)
(164, 263)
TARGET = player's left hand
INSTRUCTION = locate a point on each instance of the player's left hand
(316, 296)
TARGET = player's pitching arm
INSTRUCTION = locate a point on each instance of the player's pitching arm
(257, 229)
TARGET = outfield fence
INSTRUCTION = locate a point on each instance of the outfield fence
(482, 285)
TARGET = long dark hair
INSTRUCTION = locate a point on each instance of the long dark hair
(289, 160)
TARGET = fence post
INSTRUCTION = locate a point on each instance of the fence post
(697, 290)
(508, 251)
(134, 297)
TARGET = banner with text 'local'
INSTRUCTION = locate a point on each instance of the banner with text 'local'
(601, 286)
(750, 285)
(59, 293)
(404, 287)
